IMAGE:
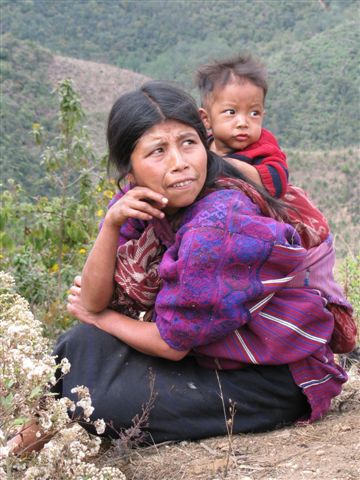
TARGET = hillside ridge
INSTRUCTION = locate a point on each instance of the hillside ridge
(107, 82)
(98, 86)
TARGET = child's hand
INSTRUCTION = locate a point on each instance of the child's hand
(139, 202)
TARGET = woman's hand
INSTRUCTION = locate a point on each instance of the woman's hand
(75, 306)
(139, 202)
(143, 336)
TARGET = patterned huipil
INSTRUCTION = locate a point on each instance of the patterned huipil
(227, 295)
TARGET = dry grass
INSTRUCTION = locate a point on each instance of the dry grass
(329, 449)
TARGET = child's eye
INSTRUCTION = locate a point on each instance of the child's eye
(254, 113)
(229, 111)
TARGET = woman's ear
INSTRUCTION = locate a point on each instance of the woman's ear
(205, 118)
(130, 178)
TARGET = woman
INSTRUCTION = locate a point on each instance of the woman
(226, 329)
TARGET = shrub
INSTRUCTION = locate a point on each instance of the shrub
(27, 370)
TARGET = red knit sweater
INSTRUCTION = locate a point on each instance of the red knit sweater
(269, 160)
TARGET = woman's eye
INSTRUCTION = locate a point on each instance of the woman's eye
(189, 141)
(157, 151)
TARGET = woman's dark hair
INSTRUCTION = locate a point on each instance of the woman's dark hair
(134, 113)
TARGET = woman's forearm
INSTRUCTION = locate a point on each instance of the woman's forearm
(97, 284)
(142, 336)
(97, 281)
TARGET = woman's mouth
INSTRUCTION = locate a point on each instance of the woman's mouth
(181, 184)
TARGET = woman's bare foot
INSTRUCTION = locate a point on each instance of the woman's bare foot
(29, 439)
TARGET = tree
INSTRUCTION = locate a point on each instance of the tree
(46, 238)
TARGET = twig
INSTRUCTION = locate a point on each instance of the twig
(229, 422)
(134, 435)
(208, 449)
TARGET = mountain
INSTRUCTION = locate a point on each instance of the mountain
(29, 76)
(98, 85)
(311, 49)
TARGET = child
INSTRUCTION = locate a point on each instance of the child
(232, 107)
(233, 94)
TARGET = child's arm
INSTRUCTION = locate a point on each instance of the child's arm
(268, 160)
(245, 168)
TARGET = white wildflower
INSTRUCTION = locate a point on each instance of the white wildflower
(85, 404)
(65, 366)
(81, 391)
(27, 368)
(4, 452)
(100, 426)
(45, 421)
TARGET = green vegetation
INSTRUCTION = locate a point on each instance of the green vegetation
(350, 278)
(315, 89)
(311, 52)
(331, 180)
(136, 34)
(25, 98)
(46, 239)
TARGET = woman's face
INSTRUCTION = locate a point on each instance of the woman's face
(171, 160)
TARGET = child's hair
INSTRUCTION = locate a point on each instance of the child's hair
(221, 72)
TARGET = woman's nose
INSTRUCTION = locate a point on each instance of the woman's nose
(176, 160)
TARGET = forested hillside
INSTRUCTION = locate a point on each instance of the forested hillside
(25, 99)
(311, 49)
(29, 77)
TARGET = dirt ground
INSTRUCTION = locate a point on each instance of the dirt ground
(328, 449)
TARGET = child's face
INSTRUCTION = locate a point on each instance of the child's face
(235, 114)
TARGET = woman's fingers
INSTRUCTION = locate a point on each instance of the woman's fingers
(77, 281)
(140, 202)
(143, 208)
(75, 290)
(144, 193)
(72, 298)
(76, 309)
(73, 304)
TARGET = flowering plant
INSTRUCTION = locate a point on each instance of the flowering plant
(27, 370)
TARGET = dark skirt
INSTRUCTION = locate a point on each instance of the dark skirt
(188, 403)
